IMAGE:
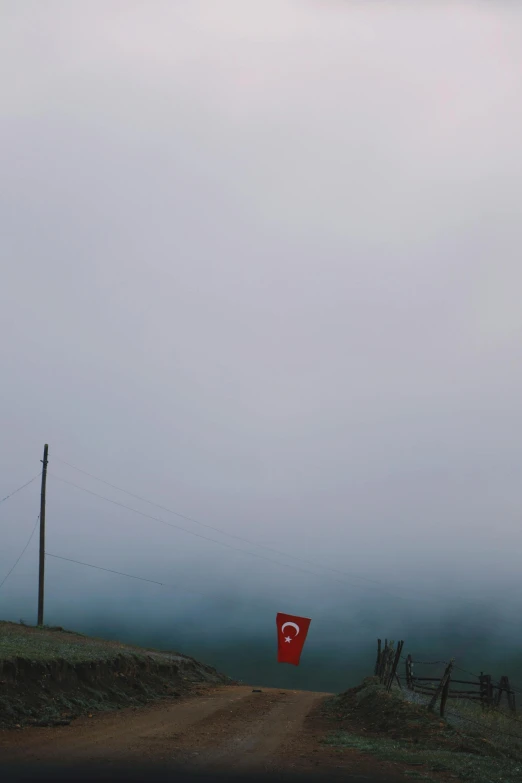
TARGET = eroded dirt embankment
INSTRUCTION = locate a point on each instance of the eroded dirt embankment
(57, 676)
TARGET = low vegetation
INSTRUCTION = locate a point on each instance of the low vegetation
(48, 676)
(471, 745)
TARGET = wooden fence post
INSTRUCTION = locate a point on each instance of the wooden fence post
(444, 697)
(384, 657)
(393, 673)
(504, 686)
(409, 673)
(445, 678)
(378, 661)
(500, 691)
(511, 697)
(388, 663)
(486, 690)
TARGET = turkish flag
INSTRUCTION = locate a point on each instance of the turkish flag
(291, 635)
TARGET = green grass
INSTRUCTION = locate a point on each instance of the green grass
(465, 766)
(497, 727)
(51, 644)
(471, 744)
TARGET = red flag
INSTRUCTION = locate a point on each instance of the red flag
(291, 635)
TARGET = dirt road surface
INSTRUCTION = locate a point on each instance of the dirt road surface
(230, 728)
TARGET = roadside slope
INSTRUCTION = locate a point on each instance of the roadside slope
(49, 676)
(395, 728)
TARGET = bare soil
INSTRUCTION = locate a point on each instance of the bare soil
(224, 728)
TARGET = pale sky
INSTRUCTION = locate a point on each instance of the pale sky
(261, 263)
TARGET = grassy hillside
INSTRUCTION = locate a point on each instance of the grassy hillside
(470, 745)
(49, 675)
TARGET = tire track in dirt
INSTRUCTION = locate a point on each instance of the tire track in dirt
(247, 739)
(224, 728)
(118, 735)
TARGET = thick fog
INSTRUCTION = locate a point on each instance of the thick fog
(261, 266)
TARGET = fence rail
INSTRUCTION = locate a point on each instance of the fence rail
(483, 689)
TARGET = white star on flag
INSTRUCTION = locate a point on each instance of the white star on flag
(288, 639)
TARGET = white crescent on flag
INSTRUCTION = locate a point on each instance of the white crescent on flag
(292, 625)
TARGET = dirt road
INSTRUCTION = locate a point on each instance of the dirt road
(230, 728)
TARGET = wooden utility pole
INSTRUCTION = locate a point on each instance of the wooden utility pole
(41, 572)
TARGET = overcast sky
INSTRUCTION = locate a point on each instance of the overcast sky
(261, 263)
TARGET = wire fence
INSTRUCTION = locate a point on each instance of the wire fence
(483, 689)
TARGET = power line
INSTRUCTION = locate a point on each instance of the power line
(220, 543)
(414, 596)
(206, 538)
(225, 600)
(169, 586)
(20, 488)
(382, 585)
(132, 576)
(217, 529)
(22, 554)
(110, 570)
